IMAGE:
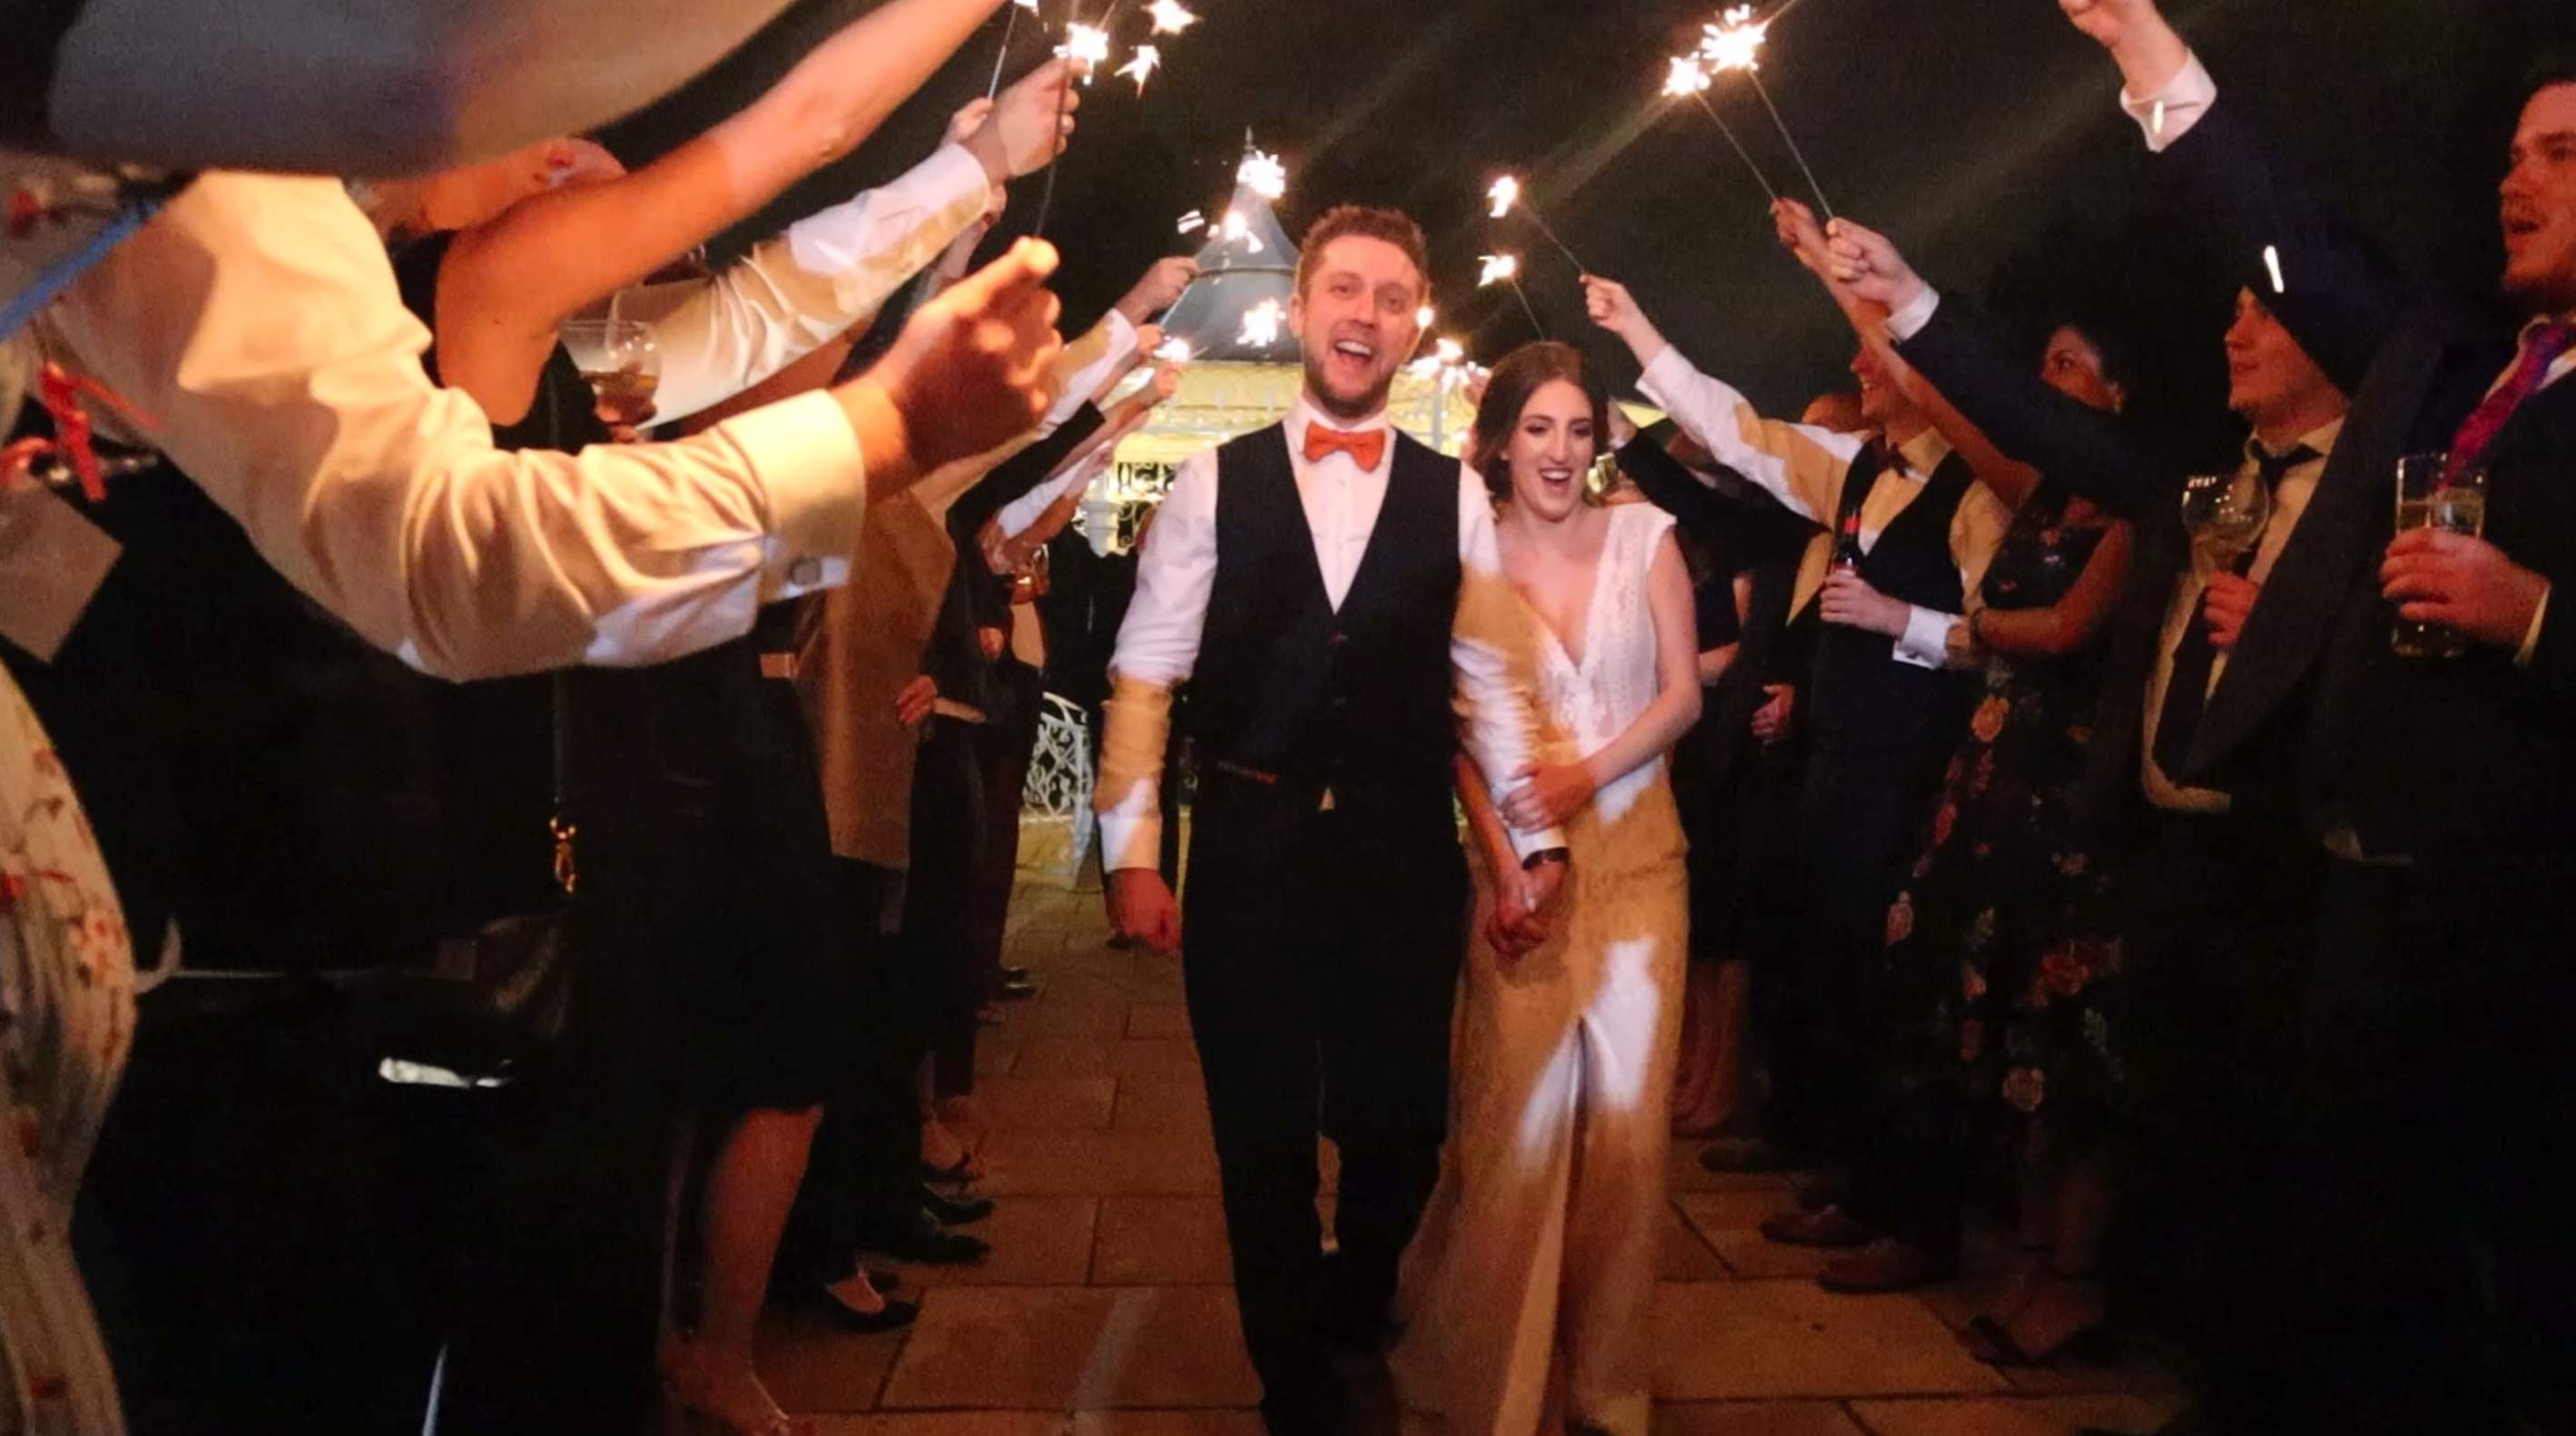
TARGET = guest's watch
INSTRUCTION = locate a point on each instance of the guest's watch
(1531, 863)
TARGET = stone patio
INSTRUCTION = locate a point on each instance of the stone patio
(1105, 1310)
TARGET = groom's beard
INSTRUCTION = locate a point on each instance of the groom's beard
(1349, 411)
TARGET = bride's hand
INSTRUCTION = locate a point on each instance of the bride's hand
(1548, 795)
(1513, 924)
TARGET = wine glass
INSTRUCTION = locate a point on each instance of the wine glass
(621, 363)
(2225, 514)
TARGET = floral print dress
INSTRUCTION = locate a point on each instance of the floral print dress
(2005, 978)
(66, 1021)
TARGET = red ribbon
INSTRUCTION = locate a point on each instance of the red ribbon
(60, 392)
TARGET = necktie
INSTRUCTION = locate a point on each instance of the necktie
(2546, 346)
(2187, 695)
(1366, 447)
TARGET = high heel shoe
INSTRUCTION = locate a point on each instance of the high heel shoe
(704, 1400)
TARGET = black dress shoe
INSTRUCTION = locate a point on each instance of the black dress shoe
(923, 1241)
(963, 1210)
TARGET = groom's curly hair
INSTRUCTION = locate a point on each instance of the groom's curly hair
(1393, 226)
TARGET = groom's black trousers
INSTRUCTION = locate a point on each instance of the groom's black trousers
(1321, 952)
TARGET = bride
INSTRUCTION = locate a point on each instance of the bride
(1531, 1289)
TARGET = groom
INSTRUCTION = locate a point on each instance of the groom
(1330, 591)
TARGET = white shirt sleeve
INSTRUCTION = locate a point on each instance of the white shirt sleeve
(257, 323)
(1914, 315)
(1115, 339)
(1158, 647)
(790, 295)
(1802, 467)
(2169, 113)
(1017, 515)
(1496, 710)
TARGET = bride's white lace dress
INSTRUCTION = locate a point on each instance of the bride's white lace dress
(1529, 1295)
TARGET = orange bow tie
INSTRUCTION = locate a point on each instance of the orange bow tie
(1365, 447)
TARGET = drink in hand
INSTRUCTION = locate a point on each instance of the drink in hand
(2429, 497)
(625, 396)
(622, 364)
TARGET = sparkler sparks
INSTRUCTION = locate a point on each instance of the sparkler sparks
(1736, 43)
(1261, 326)
(1170, 17)
(1087, 46)
(1263, 174)
(1506, 196)
(1148, 59)
(1175, 350)
(1505, 193)
(1235, 229)
(1499, 269)
(1689, 77)
(1193, 222)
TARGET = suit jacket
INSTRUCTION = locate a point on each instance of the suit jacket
(2312, 710)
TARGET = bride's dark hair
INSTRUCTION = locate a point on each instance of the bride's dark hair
(1516, 380)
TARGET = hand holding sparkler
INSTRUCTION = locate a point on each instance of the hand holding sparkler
(1796, 226)
(1612, 307)
(1866, 262)
(1159, 289)
(1028, 127)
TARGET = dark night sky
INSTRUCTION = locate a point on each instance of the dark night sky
(1981, 133)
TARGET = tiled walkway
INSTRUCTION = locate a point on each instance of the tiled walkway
(1105, 1309)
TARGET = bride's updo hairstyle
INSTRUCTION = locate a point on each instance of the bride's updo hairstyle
(1516, 380)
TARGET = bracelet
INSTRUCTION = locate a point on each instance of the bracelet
(1545, 855)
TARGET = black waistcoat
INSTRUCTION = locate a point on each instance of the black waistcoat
(1862, 696)
(1358, 699)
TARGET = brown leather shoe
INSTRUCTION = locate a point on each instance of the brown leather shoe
(1829, 1227)
(1885, 1265)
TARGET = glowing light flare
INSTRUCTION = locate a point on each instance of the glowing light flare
(1175, 350)
(1193, 222)
(1170, 17)
(1087, 46)
(1148, 59)
(1688, 77)
(1505, 193)
(1499, 269)
(1449, 352)
(1261, 325)
(1237, 230)
(1262, 174)
(2272, 262)
(1736, 43)
(1425, 317)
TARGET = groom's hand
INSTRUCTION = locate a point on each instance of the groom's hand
(1141, 907)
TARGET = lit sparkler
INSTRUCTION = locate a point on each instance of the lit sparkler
(1261, 325)
(1506, 269)
(1170, 17)
(1087, 46)
(1262, 174)
(1689, 80)
(1506, 196)
(1175, 350)
(1736, 44)
(1193, 222)
(1148, 59)
(1010, 25)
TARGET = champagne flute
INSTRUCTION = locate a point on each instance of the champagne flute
(621, 363)
(2429, 498)
(2225, 514)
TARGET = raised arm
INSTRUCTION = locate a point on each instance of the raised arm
(2078, 447)
(257, 321)
(2006, 478)
(1802, 467)
(2071, 624)
(2334, 293)
(549, 257)
(322, 87)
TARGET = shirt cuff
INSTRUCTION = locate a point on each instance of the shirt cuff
(1903, 324)
(1524, 844)
(1663, 376)
(2531, 640)
(2169, 114)
(1926, 640)
(807, 460)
